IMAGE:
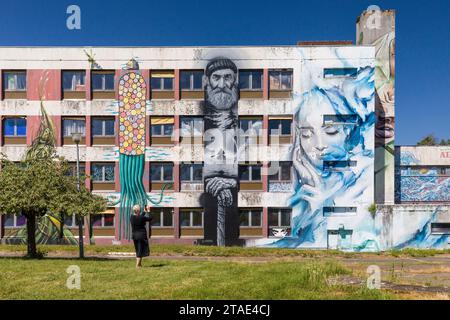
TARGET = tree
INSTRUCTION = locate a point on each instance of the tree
(428, 140)
(34, 188)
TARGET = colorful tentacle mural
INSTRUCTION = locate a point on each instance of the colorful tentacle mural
(132, 121)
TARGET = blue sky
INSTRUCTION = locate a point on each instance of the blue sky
(423, 37)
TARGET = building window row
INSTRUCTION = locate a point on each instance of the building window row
(73, 83)
(278, 220)
(103, 175)
(103, 130)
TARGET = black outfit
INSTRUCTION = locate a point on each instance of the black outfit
(139, 234)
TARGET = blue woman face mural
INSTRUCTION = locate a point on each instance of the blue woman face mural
(319, 141)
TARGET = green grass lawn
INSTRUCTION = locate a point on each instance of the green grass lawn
(176, 279)
(190, 250)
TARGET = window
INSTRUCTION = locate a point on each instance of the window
(191, 80)
(347, 119)
(102, 80)
(161, 172)
(440, 228)
(14, 80)
(284, 172)
(279, 222)
(279, 217)
(424, 171)
(280, 126)
(250, 172)
(14, 221)
(250, 79)
(103, 172)
(162, 126)
(69, 221)
(251, 126)
(191, 126)
(15, 127)
(191, 172)
(337, 211)
(72, 170)
(73, 80)
(339, 72)
(280, 80)
(162, 80)
(250, 217)
(191, 218)
(162, 217)
(71, 126)
(338, 165)
(103, 127)
(102, 220)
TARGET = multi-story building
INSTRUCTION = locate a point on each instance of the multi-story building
(307, 129)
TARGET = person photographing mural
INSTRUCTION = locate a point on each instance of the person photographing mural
(138, 222)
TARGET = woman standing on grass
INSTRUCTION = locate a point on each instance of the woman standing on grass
(139, 233)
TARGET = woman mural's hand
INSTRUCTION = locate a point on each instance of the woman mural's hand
(315, 190)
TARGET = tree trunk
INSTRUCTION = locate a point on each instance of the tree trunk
(61, 230)
(31, 233)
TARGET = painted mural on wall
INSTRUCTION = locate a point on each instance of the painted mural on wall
(49, 229)
(416, 228)
(333, 157)
(220, 170)
(418, 183)
(132, 124)
(377, 28)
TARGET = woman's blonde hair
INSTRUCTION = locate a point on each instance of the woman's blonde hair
(137, 207)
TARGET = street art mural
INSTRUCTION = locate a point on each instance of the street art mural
(50, 229)
(333, 164)
(418, 228)
(220, 153)
(377, 28)
(132, 125)
(418, 183)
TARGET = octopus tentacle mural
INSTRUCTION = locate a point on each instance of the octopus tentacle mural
(132, 121)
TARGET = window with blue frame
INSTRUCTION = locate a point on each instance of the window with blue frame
(14, 80)
(15, 127)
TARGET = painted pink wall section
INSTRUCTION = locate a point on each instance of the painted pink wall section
(1, 133)
(146, 178)
(33, 123)
(177, 84)
(117, 177)
(88, 132)
(176, 222)
(88, 85)
(87, 168)
(265, 223)
(51, 88)
(57, 122)
(266, 84)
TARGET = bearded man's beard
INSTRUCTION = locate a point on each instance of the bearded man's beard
(222, 99)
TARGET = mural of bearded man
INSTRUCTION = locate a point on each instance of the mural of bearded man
(220, 154)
